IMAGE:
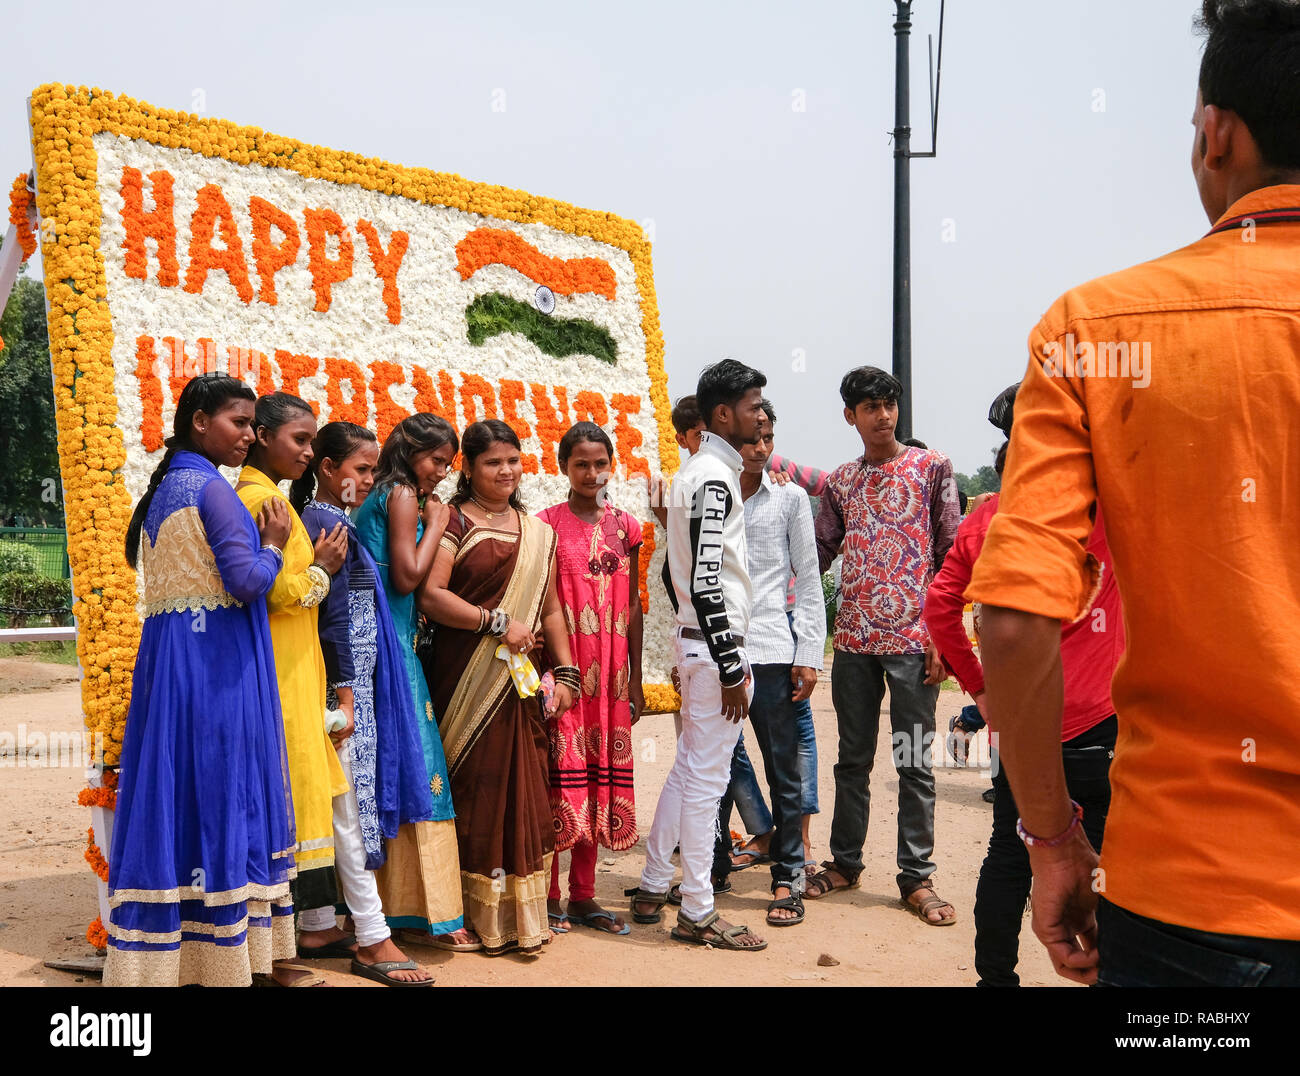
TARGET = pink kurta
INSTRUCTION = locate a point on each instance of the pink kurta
(591, 745)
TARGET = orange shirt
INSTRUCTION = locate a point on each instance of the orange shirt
(1170, 392)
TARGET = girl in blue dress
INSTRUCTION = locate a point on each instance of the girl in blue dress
(366, 676)
(201, 855)
(420, 884)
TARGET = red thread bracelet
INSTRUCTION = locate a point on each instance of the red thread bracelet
(1050, 842)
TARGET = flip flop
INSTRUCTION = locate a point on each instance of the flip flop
(341, 949)
(593, 921)
(310, 979)
(379, 972)
(552, 920)
(755, 857)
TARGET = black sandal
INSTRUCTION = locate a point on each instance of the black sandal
(819, 884)
(675, 890)
(644, 896)
(791, 903)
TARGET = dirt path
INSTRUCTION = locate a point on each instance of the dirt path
(47, 891)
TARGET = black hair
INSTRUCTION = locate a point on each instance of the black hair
(273, 411)
(334, 441)
(421, 432)
(869, 383)
(962, 501)
(479, 437)
(1000, 460)
(768, 410)
(915, 442)
(578, 433)
(723, 385)
(686, 415)
(1251, 65)
(208, 393)
(1002, 411)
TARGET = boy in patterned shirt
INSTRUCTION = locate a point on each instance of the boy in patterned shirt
(893, 512)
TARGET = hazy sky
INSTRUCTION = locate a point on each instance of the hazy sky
(1064, 146)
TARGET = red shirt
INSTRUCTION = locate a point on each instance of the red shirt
(1090, 647)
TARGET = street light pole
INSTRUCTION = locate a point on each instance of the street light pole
(902, 217)
(902, 357)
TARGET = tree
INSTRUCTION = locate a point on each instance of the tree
(29, 457)
(985, 480)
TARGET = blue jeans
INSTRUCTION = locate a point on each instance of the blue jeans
(807, 758)
(746, 794)
(777, 730)
(1137, 951)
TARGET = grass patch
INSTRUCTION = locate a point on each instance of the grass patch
(54, 651)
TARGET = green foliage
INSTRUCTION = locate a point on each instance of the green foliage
(29, 479)
(37, 596)
(494, 313)
(54, 652)
(985, 480)
(16, 557)
(828, 597)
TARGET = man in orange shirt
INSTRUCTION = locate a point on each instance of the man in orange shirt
(1160, 392)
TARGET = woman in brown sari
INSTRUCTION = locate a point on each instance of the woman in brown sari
(493, 584)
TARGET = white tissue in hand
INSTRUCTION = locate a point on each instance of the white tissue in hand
(335, 720)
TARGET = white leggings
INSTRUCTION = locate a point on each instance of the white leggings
(358, 884)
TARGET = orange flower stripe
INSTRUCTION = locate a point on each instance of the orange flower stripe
(495, 246)
(643, 563)
(20, 199)
(97, 935)
(270, 257)
(95, 857)
(213, 209)
(158, 224)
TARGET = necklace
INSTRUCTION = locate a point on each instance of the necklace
(490, 515)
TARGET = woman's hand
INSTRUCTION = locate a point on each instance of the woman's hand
(519, 640)
(332, 548)
(347, 706)
(562, 700)
(635, 700)
(273, 522)
(434, 514)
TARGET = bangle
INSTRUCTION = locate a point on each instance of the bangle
(500, 622)
(483, 617)
(569, 676)
(1031, 841)
(274, 549)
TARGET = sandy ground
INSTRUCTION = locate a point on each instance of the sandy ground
(48, 893)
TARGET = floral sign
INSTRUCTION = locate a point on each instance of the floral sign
(177, 244)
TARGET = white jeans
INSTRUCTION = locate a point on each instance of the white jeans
(687, 812)
(357, 883)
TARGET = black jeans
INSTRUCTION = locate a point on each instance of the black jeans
(1137, 951)
(1005, 876)
(776, 727)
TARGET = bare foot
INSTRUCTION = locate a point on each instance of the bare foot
(386, 951)
(317, 939)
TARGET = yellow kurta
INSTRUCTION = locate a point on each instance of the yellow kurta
(314, 771)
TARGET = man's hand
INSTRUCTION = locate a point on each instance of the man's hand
(802, 680)
(935, 673)
(1065, 906)
(735, 701)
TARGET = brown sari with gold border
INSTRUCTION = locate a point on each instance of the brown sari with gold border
(495, 742)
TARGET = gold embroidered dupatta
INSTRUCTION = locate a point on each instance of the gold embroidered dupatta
(485, 676)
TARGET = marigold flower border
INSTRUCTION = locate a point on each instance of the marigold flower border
(64, 120)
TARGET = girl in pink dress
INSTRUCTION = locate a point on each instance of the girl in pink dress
(591, 744)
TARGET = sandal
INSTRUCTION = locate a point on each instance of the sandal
(932, 903)
(701, 933)
(645, 896)
(819, 884)
(675, 890)
(595, 920)
(445, 942)
(753, 858)
(380, 972)
(791, 903)
(554, 921)
(310, 979)
(339, 949)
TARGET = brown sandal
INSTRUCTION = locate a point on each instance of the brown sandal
(932, 903)
(819, 884)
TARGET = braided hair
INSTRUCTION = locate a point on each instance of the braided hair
(208, 393)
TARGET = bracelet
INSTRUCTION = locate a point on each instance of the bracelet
(274, 549)
(500, 622)
(568, 675)
(320, 586)
(1051, 842)
(483, 617)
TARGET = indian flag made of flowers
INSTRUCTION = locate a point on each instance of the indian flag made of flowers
(176, 244)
